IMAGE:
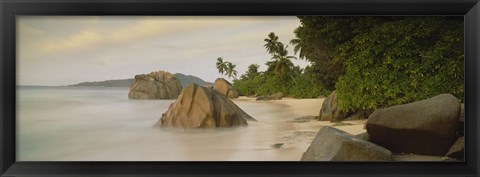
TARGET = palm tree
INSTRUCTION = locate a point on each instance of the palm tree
(230, 70)
(298, 45)
(272, 43)
(283, 63)
(283, 66)
(221, 65)
(252, 70)
(271, 66)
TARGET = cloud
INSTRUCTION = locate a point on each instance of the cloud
(145, 28)
(83, 39)
(94, 36)
(125, 46)
(258, 36)
(27, 30)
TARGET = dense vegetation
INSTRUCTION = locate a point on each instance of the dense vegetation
(402, 61)
(281, 75)
(371, 61)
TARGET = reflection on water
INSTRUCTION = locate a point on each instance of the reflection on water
(90, 124)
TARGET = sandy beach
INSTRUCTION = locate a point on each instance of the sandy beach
(309, 107)
(300, 130)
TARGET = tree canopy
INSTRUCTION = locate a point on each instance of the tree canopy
(371, 61)
(382, 61)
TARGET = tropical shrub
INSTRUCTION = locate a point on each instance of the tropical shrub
(402, 61)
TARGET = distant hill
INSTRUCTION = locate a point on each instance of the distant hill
(184, 81)
(188, 79)
(107, 83)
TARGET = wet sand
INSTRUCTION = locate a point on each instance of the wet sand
(299, 132)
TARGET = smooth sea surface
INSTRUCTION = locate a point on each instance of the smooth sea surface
(102, 124)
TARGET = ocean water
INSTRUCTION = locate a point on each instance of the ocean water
(102, 124)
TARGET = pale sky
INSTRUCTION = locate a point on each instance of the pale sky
(63, 50)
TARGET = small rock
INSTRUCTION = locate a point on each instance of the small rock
(332, 144)
(457, 151)
(304, 119)
(224, 87)
(262, 98)
(276, 96)
(330, 111)
(277, 145)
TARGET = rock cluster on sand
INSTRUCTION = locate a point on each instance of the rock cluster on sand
(224, 87)
(155, 85)
(201, 107)
(332, 144)
(432, 126)
(426, 127)
(275, 96)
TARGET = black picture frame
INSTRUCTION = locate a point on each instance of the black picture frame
(470, 9)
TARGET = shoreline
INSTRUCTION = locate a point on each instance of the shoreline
(282, 132)
(303, 135)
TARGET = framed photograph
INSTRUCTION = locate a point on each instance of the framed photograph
(239, 88)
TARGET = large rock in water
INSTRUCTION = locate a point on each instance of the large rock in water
(155, 85)
(224, 87)
(332, 144)
(200, 107)
(330, 110)
(424, 127)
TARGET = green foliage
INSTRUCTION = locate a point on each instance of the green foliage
(402, 61)
(273, 84)
(262, 84)
(319, 36)
(271, 43)
(281, 74)
(230, 70)
(282, 62)
(247, 86)
(371, 61)
(304, 85)
(225, 67)
(221, 65)
(307, 86)
(251, 72)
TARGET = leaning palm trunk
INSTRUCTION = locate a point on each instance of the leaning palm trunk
(294, 81)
